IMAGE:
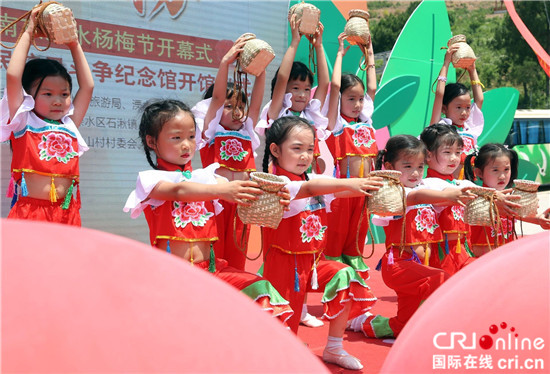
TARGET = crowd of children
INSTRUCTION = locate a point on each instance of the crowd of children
(318, 246)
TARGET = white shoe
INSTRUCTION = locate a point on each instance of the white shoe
(311, 321)
(342, 359)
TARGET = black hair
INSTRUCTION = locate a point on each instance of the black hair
(278, 133)
(229, 92)
(453, 90)
(438, 135)
(488, 153)
(235, 94)
(397, 147)
(298, 71)
(155, 114)
(350, 80)
(38, 69)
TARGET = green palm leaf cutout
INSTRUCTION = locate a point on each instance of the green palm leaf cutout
(527, 170)
(393, 99)
(499, 109)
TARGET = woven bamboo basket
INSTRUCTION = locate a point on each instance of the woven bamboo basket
(309, 15)
(464, 57)
(481, 211)
(389, 199)
(357, 27)
(59, 23)
(255, 57)
(529, 201)
(267, 210)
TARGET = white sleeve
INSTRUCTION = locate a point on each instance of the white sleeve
(368, 109)
(264, 123)
(475, 122)
(298, 205)
(19, 120)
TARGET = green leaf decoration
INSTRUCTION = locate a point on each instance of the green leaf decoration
(527, 170)
(393, 99)
(417, 51)
(499, 109)
(534, 159)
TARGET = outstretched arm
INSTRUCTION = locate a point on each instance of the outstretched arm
(339, 187)
(449, 196)
(284, 70)
(85, 80)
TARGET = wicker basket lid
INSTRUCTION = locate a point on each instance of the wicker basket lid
(268, 182)
(526, 185)
(256, 56)
(299, 9)
(60, 23)
(248, 36)
(359, 13)
(393, 174)
(456, 39)
(482, 191)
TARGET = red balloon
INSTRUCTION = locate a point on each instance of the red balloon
(491, 316)
(82, 300)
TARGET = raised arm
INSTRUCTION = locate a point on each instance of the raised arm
(219, 93)
(440, 85)
(85, 80)
(14, 72)
(323, 78)
(335, 84)
(477, 89)
(371, 71)
(284, 70)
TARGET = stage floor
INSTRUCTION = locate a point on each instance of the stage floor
(371, 352)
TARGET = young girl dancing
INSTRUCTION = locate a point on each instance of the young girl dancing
(497, 167)
(453, 100)
(229, 139)
(179, 203)
(353, 146)
(405, 265)
(291, 90)
(444, 149)
(293, 260)
(41, 122)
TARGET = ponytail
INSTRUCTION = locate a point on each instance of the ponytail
(469, 167)
(380, 159)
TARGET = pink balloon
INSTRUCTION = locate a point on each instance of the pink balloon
(491, 314)
(83, 300)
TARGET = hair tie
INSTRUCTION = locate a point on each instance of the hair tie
(472, 161)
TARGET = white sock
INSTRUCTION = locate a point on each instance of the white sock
(335, 344)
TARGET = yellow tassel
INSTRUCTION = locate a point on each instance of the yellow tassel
(53, 193)
(362, 168)
(458, 247)
(427, 253)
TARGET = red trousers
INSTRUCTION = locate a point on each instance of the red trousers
(230, 229)
(44, 210)
(456, 259)
(347, 227)
(283, 269)
(412, 282)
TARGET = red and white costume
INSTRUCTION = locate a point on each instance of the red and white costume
(472, 129)
(402, 271)
(312, 113)
(294, 264)
(488, 237)
(450, 255)
(44, 147)
(194, 222)
(347, 220)
(234, 150)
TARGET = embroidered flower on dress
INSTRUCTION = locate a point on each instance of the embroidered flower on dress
(425, 220)
(58, 146)
(458, 212)
(507, 227)
(312, 229)
(362, 136)
(232, 148)
(469, 145)
(194, 213)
